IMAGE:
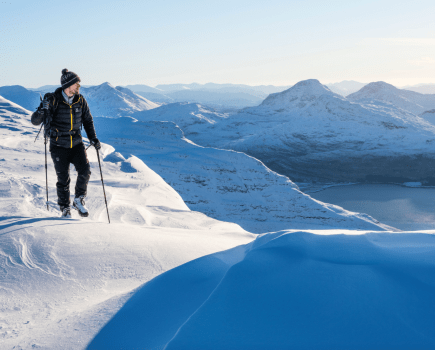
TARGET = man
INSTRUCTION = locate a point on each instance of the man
(67, 112)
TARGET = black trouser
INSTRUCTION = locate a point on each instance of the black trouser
(62, 158)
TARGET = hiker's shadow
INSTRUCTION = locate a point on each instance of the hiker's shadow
(10, 221)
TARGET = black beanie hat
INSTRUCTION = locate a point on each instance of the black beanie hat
(68, 78)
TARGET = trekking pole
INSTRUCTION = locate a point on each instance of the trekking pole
(105, 199)
(39, 132)
(45, 143)
(46, 176)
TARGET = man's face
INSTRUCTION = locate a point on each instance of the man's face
(75, 88)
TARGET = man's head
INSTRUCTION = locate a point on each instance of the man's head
(72, 90)
(70, 82)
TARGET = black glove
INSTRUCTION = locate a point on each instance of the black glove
(96, 143)
(45, 104)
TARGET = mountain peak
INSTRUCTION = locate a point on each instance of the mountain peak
(378, 86)
(304, 91)
(107, 84)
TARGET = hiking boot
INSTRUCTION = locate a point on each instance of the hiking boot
(66, 212)
(79, 205)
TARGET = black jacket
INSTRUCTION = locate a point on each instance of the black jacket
(67, 120)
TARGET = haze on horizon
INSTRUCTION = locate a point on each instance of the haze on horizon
(241, 42)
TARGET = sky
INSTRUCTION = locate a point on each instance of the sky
(242, 42)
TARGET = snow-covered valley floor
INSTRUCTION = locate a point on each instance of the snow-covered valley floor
(171, 278)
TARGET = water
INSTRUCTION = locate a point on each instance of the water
(405, 208)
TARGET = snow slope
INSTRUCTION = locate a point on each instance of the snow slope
(106, 100)
(410, 101)
(21, 96)
(62, 280)
(289, 290)
(190, 117)
(225, 185)
(308, 132)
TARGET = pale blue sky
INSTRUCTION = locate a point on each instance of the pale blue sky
(247, 42)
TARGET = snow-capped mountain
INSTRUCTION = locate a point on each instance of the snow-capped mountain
(345, 87)
(410, 101)
(225, 185)
(309, 132)
(106, 100)
(20, 95)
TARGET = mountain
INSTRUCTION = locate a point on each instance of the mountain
(20, 95)
(223, 184)
(252, 90)
(216, 98)
(45, 88)
(51, 88)
(106, 100)
(345, 87)
(410, 101)
(310, 133)
(156, 97)
(421, 88)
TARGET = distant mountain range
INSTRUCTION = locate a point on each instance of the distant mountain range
(379, 133)
(309, 132)
(215, 95)
(104, 99)
(421, 88)
(345, 87)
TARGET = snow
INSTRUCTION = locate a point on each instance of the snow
(161, 276)
(106, 100)
(410, 101)
(225, 185)
(309, 133)
(289, 290)
(61, 280)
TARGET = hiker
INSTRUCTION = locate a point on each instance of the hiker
(67, 113)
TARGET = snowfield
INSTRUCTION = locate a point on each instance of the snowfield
(161, 276)
(289, 290)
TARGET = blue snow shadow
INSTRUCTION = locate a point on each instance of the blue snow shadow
(117, 157)
(289, 291)
(20, 220)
